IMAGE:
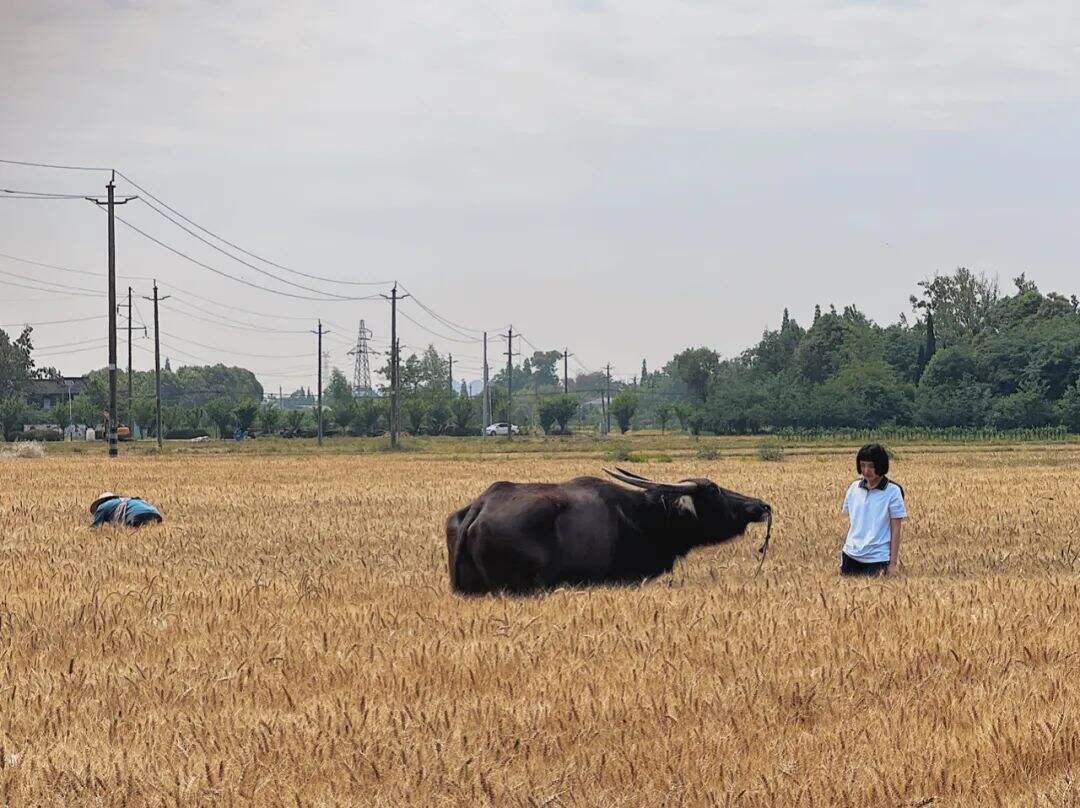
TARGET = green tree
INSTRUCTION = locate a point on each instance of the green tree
(193, 417)
(696, 420)
(682, 411)
(438, 416)
(143, 412)
(543, 369)
(338, 392)
(366, 416)
(414, 412)
(16, 364)
(1027, 407)
(269, 418)
(623, 407)
(344, 412)
(294, 421)
(220, 413)
(663, 414)
(1068, 408)
(463, 414)
(566, 406)
(546, 414)
(697, 367)
(12, 411)
(244, 414)
(961, 304)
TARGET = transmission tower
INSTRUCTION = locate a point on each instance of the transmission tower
(361, 368)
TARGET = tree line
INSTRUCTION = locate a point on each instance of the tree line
(967, 356)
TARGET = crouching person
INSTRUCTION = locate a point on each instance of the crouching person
(127, 511)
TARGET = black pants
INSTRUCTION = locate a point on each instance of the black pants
(849, 566)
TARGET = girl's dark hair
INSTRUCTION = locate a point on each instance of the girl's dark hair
(876, 454)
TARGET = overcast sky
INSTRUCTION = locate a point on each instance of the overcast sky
(623, 178)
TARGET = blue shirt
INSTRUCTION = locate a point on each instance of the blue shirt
(123, 510)
(869, 538)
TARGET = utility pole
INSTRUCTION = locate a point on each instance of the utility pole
(565, 371)
(111, 203)
(157, 363)
(510, 383)
(130, 424)
(451, 374)
(485, 405)
(607, 402)
(319, 355)
(394, 350)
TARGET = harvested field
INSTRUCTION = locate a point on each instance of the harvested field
(288, 638)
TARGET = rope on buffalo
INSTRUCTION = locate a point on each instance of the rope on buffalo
(764, 548)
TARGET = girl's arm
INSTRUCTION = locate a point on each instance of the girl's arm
(896, 526)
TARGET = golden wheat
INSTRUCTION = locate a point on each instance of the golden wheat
(288, 638)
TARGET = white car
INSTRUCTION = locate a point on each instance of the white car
(502, 429)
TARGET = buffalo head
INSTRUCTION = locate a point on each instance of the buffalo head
(721, 514)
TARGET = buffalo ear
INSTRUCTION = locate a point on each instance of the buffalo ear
(685, 503)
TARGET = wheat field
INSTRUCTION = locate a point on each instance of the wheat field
(288, 638)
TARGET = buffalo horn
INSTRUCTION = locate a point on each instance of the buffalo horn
(638, 481)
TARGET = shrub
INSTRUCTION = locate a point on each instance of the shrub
(25, 449)
(708, 453)
(771, 450)
(623, 407)
(185, 434)
(624, 455)
(39, 435)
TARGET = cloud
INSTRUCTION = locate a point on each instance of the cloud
(476, 147)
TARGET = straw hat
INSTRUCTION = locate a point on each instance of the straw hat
(103, 498)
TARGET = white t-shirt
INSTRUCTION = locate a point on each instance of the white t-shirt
(868, 539)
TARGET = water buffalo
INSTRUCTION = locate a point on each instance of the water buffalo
(523, 537)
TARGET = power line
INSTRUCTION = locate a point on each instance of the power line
(51, 299)
(450, 323)
(182, 292)
(208, 363)
(248, 264)
(233, 352)
(9, 194)
(216, 271)
(241, 249)
(437, 334)
(225, 324)
(582, 366)
(54, 322)
(50, 283)
(64, 344)
(45, 289)
(53, 165)
(96, 347)
(67, 269)
(45, 194)
(55, 294)
(139, 313)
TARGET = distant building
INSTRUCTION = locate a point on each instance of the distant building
(44, 394)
